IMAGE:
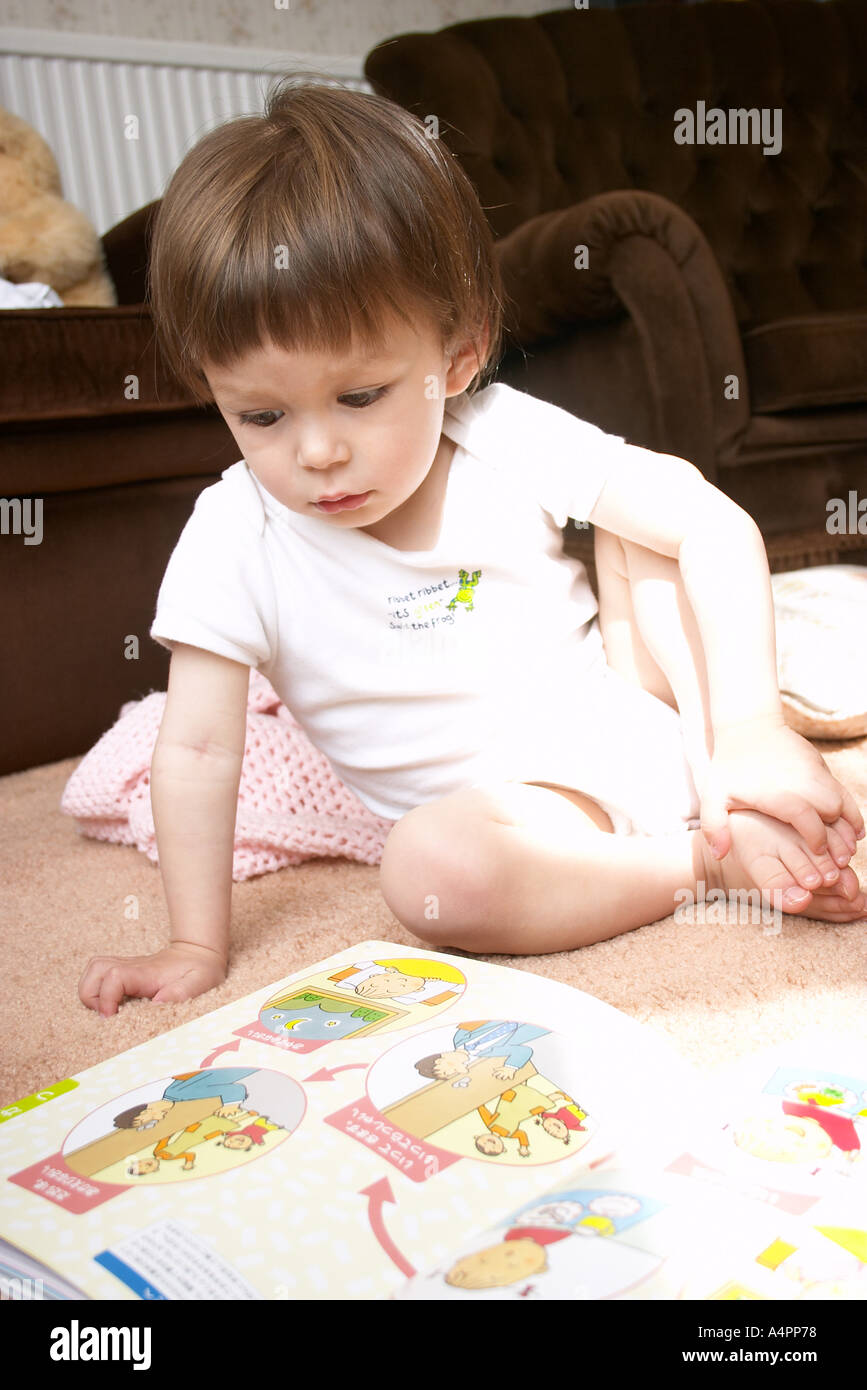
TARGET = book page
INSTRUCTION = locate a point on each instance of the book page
(328, 1136)
(756, 1190)
(779, 1144)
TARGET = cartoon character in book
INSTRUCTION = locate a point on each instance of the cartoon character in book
(520, 1254)
(523, 1250)
(494, 1039)
(506, 1122)
(180, 1146)
(822, 1093)
(251, 1135)
(804, 1133)
(515, 1108)
(222, 1084)
(412, 981)
(567, 1120)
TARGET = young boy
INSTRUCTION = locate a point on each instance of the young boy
(388, 553)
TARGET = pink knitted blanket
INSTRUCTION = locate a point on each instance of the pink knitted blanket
(291, 805)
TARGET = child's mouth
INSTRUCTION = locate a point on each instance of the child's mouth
(342, 504)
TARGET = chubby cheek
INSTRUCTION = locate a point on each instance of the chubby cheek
(408, 444)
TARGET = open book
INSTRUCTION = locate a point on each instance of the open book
(394, 1122)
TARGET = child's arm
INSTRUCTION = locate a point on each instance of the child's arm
(665, 504)
(195, 773)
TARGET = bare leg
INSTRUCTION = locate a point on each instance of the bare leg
(651, 637)
(520, 868)
(517, 867)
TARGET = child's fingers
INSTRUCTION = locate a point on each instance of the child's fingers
(794, 809)
(841, 842)
(715, 823)
(117, 982)
(177, 991)
(90, 986)
(851, 813)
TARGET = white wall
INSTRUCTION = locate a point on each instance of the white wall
(315, 27)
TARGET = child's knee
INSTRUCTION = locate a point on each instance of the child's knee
(436, 880)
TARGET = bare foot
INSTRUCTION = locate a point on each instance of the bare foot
(768, 854)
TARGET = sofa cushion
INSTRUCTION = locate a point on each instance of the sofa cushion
(822, 671)
(806, 362)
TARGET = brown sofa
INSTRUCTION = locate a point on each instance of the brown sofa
(704, 262)
(118, 465)
(698, 267)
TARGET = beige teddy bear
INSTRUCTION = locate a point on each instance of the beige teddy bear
(42, 237)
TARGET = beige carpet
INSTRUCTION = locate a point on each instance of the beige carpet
(717, 992)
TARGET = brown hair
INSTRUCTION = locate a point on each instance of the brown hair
(376, 218)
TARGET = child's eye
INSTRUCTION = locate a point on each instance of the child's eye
(357, 401)
(363, 398)
(260, 420)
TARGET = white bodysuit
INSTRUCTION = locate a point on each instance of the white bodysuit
(419, 673)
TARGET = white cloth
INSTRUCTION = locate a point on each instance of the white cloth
(30, 295)
(409, 691)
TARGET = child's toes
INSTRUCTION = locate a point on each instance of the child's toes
(847, 886)
(810, 870)
(830, 907)
(771, 875)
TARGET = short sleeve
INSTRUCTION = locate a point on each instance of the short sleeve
(563, 461)
(217, 591)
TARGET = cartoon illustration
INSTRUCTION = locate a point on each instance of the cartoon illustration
(356, 1000)
(520, 1254)
(494, 1090)
(804, 1133)
(221, 1083)
(464, 594)
(414, 981)
(504, 1041)
(526, 1250)
(564, 1121)
(518, 1106)
(318, 1015)
(221, 1126)
(193, 1124)
(819, 1093)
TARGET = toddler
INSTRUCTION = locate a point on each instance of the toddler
(388, 552)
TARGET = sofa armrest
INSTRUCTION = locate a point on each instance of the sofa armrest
(648, 258)
(87, 372)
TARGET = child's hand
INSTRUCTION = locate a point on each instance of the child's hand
(169, 976)
(768, 767)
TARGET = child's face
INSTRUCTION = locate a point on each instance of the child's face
(364, 425)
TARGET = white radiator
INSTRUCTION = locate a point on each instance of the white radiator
(119, 115)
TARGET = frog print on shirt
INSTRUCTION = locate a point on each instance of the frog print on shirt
(464, 594)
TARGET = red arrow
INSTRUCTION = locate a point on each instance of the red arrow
(379, 1193)
(328, 1074)
(226, 1047)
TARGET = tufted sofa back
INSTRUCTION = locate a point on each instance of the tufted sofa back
(546, 111)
